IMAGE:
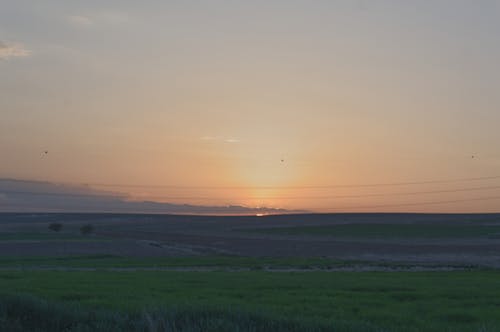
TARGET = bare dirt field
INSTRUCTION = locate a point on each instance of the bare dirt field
(429, 238)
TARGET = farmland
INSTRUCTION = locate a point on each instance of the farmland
(282, 273)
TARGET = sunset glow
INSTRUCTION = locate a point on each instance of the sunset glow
(258, 103)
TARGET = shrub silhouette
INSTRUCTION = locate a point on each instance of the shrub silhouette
(55, 226)
(86, 229)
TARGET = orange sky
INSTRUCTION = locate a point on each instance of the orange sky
(218, 94)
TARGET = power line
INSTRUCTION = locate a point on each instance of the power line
(295, 187)
(416, 204)
(117, 196)
(350, 208)
(343, 196)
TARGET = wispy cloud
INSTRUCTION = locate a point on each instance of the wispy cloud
(210, 138)
(97, 19)
(80, 20)
(222, 139)
(113, 17)
(12, 50)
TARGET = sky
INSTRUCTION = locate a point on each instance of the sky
(285, 104)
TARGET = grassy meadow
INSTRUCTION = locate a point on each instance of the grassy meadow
(97, 292)
(391, 231)
(47, 236)
(353, 301)
(223, 262)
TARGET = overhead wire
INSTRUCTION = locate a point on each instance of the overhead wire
(115, 195)
(388, 184)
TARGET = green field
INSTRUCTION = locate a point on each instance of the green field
(108, 261)
(223, 262)
(46, 236)
(225, 293)
(390, 231)
(403, 301)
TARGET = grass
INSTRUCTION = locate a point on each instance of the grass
(418, 301)
(46, 236)
(389, 231)
(249, 300)
(24, 313)
(109, 261)
(223, 262)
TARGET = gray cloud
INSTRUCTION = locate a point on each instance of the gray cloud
(12, 50)
(35, 196)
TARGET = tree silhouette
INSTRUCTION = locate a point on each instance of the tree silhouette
(86, 229)
(55, 226)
